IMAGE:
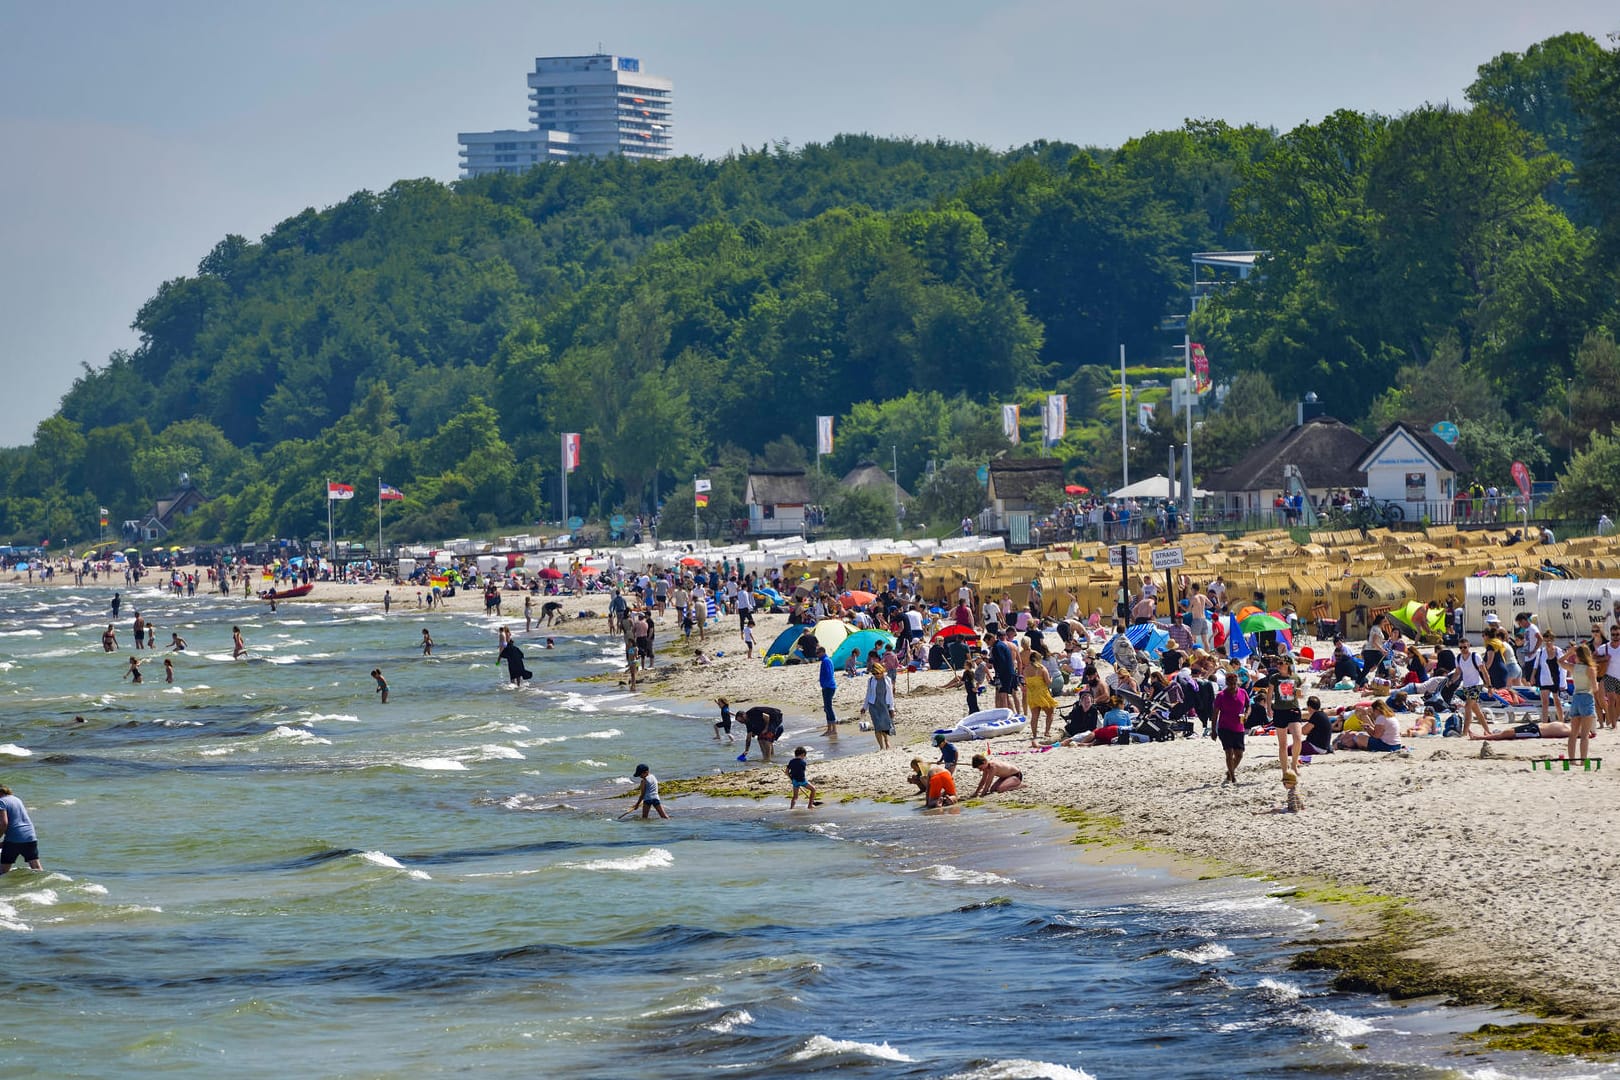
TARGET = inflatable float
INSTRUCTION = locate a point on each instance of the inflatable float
(985, 724)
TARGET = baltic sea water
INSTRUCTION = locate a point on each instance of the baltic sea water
(261, 870)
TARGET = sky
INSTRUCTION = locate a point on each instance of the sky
(139, 135)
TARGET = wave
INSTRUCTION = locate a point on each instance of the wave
(1022, 1069)
(497, 752)
(652, 859)
(947, 872)
(821, 1046)
(1335, 1025)
(609, 733)
(435, 764)
(316, 718)
(383, 859)
(298, 736)
(22, 633)
(1206, 953)
(701, 1004)
(592, 763)
(1279, 992)
(13, 750)
(731, 1021)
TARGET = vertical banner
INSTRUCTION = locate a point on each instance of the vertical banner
(1521, 477)
(1055, 419)
(103, 517)
(700, 492)
(1009, 423)
(1144, 415)
(570, 449)
(824, 435)
(1200, 369)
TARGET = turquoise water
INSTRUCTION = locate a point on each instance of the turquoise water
(261, 870)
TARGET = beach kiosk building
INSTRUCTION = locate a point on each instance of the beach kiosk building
(1415, 470)
(776, 501)
(1323, 450)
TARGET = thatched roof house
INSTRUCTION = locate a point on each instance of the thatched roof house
(1015, 481)
(869, 474)
(776, 499)
(1325, 450)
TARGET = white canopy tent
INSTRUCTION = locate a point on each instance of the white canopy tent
(1154, 487)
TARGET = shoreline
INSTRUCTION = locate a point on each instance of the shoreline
(1451, 874)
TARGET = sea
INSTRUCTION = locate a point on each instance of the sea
(261, 870)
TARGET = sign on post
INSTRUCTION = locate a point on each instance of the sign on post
(1168, 558)
(1123, 555)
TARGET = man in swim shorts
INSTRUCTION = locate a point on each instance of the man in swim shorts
(941, 789)
(995, 776)
(17, 837)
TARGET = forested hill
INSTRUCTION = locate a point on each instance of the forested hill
(694, 315)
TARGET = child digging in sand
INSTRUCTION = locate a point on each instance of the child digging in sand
(798, 771)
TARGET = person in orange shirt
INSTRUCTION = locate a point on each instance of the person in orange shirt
(941, 788)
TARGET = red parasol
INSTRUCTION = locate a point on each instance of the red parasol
(691, 560)
(1076, 489)
(855, 597)
(956, 630)
(550, 573)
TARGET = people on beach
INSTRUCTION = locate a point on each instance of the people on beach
(382, 684)
(941, 788)
(168, 669)
(879, 703)
(109, 639)
(995, 776)
(1582, 713)
(1231, 709)
(516, 671)
(828, 682)
(724, 723)
(648, 800)
(18, 840)
(799, 776)
(948, 755)
(763, 725)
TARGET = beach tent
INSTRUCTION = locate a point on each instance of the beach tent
(830, 633)
(1404, 614)
(1145, 638)
(1154, 487)
(860, 643)
(786, 640)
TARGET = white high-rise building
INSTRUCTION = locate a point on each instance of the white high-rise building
(580, 106)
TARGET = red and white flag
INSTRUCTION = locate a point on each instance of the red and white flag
(570, 450)
(339, 491)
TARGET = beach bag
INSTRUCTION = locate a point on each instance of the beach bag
(1451, 727)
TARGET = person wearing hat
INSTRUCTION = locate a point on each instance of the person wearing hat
(947, 753)
(648, 800)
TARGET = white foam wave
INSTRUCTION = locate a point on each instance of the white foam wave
(6, 665)
(318, 718)
(542, 741)
(1023, 1069)
(1206, 953)
(497, 752)
(381, 858)
(592, 763)
(495, 727)
(22, 633)
(218, 751)
(947, 872)
(435, 764)
(1335, 1025)
(610, 733)
(652, 859)
(68, 802)
(822, 1046)
(297, 736)
(94, 890)
(175, 690)
(13, 750)
(1280, 992)
(700, 1005)
(10, 921)
(731, 1021)
(165, 722)
(39, 897)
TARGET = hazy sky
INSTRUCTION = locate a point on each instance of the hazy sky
(139, 134)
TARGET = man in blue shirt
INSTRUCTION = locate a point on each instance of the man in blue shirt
(829, 684)
(19, 840)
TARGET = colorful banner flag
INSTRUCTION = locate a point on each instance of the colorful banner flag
(700, 485)
(1055, 419)
(103, 517)
(339, 491)
(1144, 415)
(824, 435)
(1009, 423)
(1200, 369)
(386, 492)
(570, 449)
(439, 581)
(1521, 476)
(701, 499)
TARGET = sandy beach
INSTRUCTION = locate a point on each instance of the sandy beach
(1507, 868)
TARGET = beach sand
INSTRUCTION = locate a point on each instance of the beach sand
(1509, 870)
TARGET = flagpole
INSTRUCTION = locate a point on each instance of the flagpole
(331, 544)
(565, 479)
(379, 520)
(1186, 457)
(1124, 434)
(694, 512)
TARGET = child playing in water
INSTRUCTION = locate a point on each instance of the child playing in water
(648, 800)
(799, 774)
(133, 672)
(168, 670)
(724, 723)
(427, 642)
(382, 684)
